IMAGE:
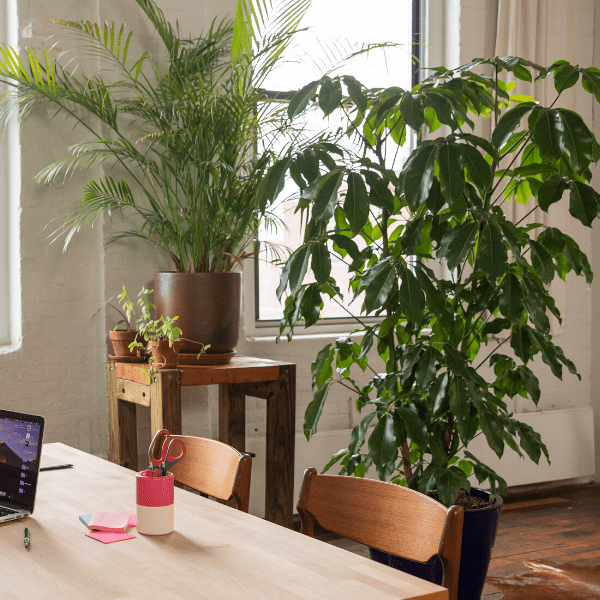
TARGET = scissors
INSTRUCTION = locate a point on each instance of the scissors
(160, 466)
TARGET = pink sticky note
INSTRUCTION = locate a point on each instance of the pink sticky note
(108, 537)
(132, 521)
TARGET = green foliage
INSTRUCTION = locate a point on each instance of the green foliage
(182, 131)
(446, 380)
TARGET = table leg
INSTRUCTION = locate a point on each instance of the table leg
(232, 416)
(165, 401)
(122, 425)
(281, 438)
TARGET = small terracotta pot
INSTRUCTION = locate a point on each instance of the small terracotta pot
(121, 340)
(164, 356)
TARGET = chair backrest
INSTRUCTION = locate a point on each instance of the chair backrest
(384, 516)
(215, 469)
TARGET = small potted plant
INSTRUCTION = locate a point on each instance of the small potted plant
(121, 339)
(160, 334)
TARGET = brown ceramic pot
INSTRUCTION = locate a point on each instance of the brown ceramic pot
(208, 307)
(164, 356)
(121, 340)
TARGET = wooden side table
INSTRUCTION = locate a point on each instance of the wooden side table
(273, 381)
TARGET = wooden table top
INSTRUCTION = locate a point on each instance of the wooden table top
(215, 552)
(241, 369)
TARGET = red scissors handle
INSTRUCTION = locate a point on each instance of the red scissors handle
(170, 460)
(156, 462)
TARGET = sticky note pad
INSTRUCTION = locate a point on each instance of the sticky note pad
(108, 537)
(109, 521)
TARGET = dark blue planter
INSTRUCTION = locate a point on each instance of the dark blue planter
(479, 534)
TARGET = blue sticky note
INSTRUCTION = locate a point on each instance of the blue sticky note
(85, 519)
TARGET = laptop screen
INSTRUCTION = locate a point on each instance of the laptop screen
(20, 451)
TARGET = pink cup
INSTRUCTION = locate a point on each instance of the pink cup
(155, 504)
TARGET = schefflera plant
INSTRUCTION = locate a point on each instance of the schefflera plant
(446, 204)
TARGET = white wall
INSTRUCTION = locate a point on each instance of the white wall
(60, 369)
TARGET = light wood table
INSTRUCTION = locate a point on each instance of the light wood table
(215, 552)
(131, 383)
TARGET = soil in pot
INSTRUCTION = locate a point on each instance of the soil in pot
(165, 357)
(120, 341)
(479, 533)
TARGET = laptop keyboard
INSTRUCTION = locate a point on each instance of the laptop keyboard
(7, 511)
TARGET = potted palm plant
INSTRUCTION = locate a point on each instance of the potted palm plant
(182, 132)
(460, 289)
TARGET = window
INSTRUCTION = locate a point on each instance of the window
(10, 296)
(336, 26)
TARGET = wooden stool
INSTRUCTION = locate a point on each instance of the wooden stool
(133, 383)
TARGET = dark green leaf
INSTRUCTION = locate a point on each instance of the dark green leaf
(300, 99)
(379, 289)
(578, 139)
(449, 484)
(276, 178)
(477, 167)
(429, 478)
(310, 305)
(584, 202)
(434, 299)
(456, 361)
(459, 398)
(382, 445)
(419, 176)
(509, 121)
(565, 77)
(553, 240)
(314, 411)
(330, 95)
(531, 442)
(415, 426)
(435, 100)
(356, 205)
(457, 243)
(549, 134)
(491, 253)
(334, 459)
(521, 342)
(426, 368)
(321, 262)
(551, 191)
(549, 354)
(494, 327)
(590, 81)
(511, 302)
(327, 196)
(492, 429)
(298, 267)
(379, 193)
(412, 110)
(435, 201)
(437, 399)
(346, 244)
(356, 93)
(530, 383)
(452, 171)
(542, 262)
(411, 297)
(321, 369)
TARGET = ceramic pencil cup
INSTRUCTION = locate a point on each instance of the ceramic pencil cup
(155, 496)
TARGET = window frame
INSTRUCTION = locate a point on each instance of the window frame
(256, 327)
(10, 191)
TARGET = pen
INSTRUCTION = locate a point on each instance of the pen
(26, 540)
(55, 467)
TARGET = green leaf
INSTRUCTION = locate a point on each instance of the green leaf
(435, 99)
(327, 196)
(429, 478)
(590, 81)
(578, 139)
(494, 327)
(456, 361)
(321, 369)
(542, 262)
(356, 93)
(457, 243)
(584, 202)
(321, 262)
(356, 205)
(530, 383)
(565, 77)
(492, 257)
(452, 171)
(379, 193)
(300, 99)
(310, 305)
(549, 354)
(298, 267)
(345, 244)
(551, 191)
(314, 411)
(415, 426)
(419, 176)
(459, 398)
(411, 297)
(549, 134)
(358, 433)
(334, 459)
(437, 398)
(449, 484)
(426, 370)
(511, 302)
(382, 445)
(379, 289)
(521, 342)
(477, 167)
(330, 95)
(434, 299)
(553, 240)
(531, 442)
(492, 429)
(412, 110)
(509, 121)
(276, 178)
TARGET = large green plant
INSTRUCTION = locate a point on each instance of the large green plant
(442, 338)
(181, 129)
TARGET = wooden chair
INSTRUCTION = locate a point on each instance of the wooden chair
(384, 516)
(215, 469)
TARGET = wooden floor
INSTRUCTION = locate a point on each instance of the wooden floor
(557, 533)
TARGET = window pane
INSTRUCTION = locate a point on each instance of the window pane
(337, 27)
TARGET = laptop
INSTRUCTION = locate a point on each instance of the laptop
(20, 453)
